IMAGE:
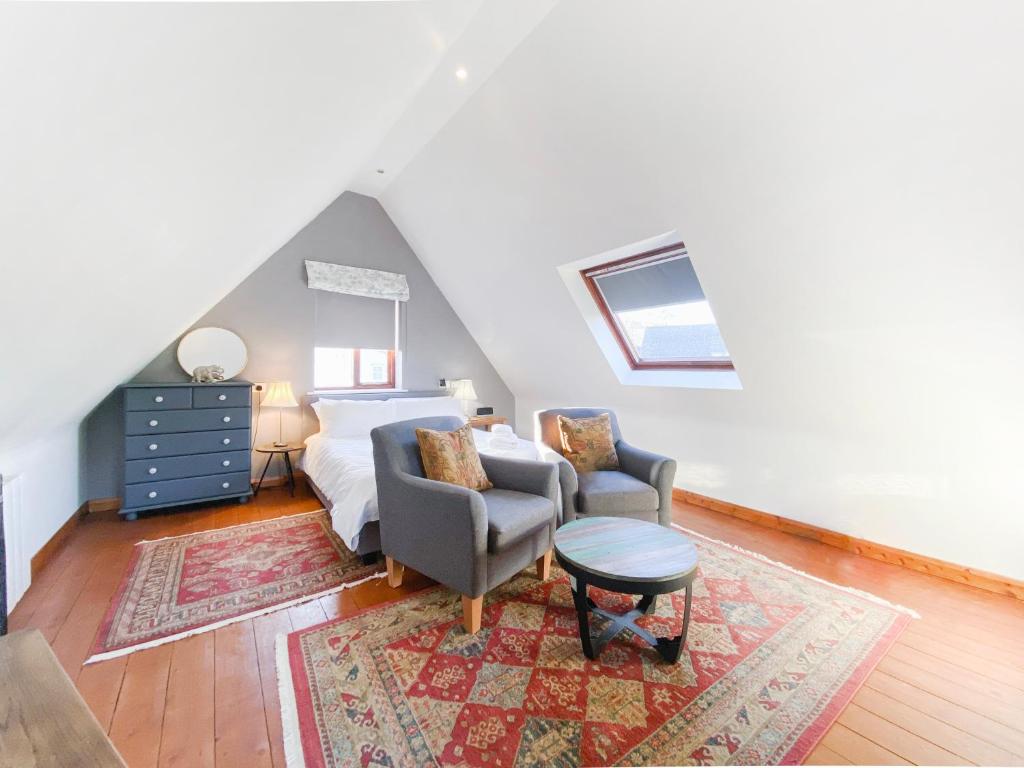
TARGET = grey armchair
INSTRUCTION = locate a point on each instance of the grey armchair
(469, 541)
(641, 489)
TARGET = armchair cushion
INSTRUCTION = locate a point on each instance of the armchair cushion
(511, 515)
(588, 443)
(451, 457)
(615, 493)
(523, 475)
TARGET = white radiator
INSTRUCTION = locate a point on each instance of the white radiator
(19, 558)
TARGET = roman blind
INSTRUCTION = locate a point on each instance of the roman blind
(353, 321)
(658, 284)
(355, 307)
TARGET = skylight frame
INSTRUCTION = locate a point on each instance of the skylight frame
(633, 359)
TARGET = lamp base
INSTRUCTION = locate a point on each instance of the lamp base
(279, 444)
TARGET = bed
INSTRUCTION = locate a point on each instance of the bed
(338, 460)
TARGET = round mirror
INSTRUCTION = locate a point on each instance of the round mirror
(212, 347)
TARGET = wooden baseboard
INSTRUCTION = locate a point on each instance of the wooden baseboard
(276, 482)
(47, 552)
(961, 574)
(111, 504)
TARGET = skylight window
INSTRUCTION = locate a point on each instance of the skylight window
(655, 308)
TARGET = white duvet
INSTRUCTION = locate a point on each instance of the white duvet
(342, 469)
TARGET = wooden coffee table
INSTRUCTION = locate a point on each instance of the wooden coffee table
(631, 557)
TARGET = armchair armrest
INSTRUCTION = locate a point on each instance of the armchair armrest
(525, 476)
(653, 469)
(440, 529)
(568, 482)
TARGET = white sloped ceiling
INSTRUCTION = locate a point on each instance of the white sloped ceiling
(847, 177)
(152, 155)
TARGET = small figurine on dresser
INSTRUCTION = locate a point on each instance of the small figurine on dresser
(207, 374)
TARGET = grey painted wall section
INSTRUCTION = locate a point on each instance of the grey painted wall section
(273, 311)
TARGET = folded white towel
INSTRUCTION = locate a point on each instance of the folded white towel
(502, 437)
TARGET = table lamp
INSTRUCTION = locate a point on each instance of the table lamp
(462, 389)
(280, 396)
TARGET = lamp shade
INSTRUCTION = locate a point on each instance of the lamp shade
(280, 395)
(462, 389)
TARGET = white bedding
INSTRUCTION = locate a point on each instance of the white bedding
(342, 469)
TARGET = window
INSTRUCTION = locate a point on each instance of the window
(346, 368)
(657, 312)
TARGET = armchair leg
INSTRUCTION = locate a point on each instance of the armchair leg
(472, 613)
(544, 566)
(395, 572)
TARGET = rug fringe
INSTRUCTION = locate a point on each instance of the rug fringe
(849, 590)
(290, 732)
(229, 527)
(233, 620)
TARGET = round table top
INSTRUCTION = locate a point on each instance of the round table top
(623, 549)
(271, 448)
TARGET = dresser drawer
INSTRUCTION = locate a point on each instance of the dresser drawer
(186, 489)
(157, 398)
(212, 396)
(161, 422)
(148, 470)
(156, 446)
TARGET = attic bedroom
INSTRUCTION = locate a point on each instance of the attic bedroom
(493, 383)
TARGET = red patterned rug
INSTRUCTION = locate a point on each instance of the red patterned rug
(183, 585)
(771, 658)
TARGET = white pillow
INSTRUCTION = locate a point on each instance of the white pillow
(353, 418)
(421, 407)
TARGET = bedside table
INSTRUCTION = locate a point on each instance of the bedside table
(285, 451)
(486, 422)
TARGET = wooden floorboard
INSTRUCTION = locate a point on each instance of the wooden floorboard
(950, 691)
(240, 720)
(188, 728)
(138, 721)
(267, 629)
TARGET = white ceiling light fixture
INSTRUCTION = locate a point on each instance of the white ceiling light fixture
(461, 73)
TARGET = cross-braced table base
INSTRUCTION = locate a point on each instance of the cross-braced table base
(669, 648)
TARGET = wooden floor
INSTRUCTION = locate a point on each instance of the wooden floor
(950, 691)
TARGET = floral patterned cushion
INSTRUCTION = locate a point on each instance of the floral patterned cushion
(451, 457)
(588, 443)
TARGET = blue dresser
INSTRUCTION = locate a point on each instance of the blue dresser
(185, 443)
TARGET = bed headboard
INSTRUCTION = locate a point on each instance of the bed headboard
(369, 394)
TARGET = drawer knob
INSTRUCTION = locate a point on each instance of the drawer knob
(225, 485)
(153, 446)
(152, 494)
(226, 463)
(222, 397)
(152, 470)
(153, 422)
(226, 441)
(158, 399)
(227, 419)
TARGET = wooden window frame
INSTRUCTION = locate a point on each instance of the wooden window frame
(655, 256)
(357, 384)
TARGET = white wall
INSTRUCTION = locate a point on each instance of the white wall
(47, 495)
(153, 155)
(847, 177)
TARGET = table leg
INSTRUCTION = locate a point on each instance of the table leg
(265, 468)
(648, 604)
(582, 603)
(672, 648)
(291, 473)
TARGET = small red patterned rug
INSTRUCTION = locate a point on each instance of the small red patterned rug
(184, 585)
(771, 658)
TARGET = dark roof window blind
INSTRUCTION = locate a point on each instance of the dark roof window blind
(657, 311)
